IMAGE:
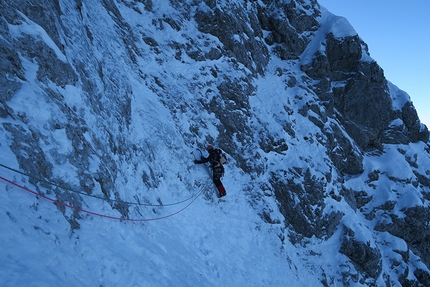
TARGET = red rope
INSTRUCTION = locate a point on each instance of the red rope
(94, 213)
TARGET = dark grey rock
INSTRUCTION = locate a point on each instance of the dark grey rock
(364, 257)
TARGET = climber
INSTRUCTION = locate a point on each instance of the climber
(216, 159)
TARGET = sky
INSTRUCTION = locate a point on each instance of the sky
(397, 34)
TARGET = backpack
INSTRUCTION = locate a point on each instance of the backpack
(221, 158)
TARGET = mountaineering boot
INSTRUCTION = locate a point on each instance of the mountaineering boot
(221, 191)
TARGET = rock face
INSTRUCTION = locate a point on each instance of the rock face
(328, 96)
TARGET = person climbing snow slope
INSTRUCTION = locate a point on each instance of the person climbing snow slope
(216, 162)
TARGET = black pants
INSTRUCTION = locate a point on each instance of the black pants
(217, 173)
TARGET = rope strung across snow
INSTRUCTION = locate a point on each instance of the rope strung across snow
(95, 196)
(94, 213)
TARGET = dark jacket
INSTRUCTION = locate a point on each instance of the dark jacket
(212, 158)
